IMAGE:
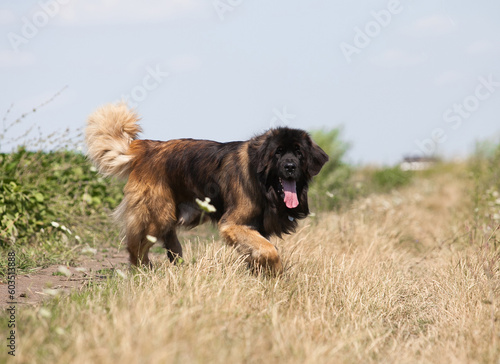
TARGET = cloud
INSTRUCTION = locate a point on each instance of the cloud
(398, 58)
(10, 58)
(433, 25)
(94, 12)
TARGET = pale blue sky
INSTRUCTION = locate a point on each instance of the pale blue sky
(399, 76)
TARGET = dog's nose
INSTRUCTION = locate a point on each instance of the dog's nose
(290, 167)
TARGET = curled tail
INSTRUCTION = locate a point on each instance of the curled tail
(110, 130)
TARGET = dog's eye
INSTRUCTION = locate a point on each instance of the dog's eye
(279, 151)
(297, 150)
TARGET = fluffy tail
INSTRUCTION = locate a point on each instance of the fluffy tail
(110, 130)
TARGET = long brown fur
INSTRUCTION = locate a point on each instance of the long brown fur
(242, 179)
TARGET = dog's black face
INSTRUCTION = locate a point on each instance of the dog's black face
(287, 160)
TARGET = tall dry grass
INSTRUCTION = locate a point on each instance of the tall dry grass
(399, 278)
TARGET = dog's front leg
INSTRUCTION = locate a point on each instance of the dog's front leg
(258, 250)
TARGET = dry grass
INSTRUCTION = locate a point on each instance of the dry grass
(399, 278)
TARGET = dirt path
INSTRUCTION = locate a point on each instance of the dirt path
(33, 288)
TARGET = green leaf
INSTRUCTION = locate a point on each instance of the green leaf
(39, 197)
(78, 171)
(96, 201)
(87, 198)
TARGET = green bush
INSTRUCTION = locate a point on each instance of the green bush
(338, 183)
(38, 188)
(23, 211)
(485, 172)
(387, 179)
(331, 188)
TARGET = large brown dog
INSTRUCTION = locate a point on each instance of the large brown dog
(258, 187)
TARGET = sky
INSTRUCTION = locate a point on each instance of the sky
(399, 78)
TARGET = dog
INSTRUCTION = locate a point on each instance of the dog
(258, 187)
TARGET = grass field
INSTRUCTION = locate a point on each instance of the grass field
(407, 276)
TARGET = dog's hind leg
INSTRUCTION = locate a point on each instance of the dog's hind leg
(138, 247)
(171, 243)
(148, 213)
(142, 230)
(138, 244)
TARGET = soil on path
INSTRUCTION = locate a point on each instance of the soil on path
(33, 288)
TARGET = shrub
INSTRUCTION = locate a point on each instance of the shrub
(331, 188)
(37, 188)
(387, 179)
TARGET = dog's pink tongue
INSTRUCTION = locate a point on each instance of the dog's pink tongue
(291, 200)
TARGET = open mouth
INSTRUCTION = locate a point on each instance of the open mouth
(289, 193)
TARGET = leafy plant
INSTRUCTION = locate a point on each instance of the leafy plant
(331, 188)
(23, 211)
(390, 178)
(51, 201)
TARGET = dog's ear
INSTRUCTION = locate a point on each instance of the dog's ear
(316, 159)
(259, 153)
